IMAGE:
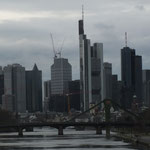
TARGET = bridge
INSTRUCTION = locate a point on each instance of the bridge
(62, 125)
(97, 125)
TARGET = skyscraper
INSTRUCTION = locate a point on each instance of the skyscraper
(138, 79)
(97, 72)
(34, 90)
(146, 87)
(116, 89)
(14, 98)
(91, 70)
(128, 67)
(47, 94)
(1, 84)
(131, 75)
(85, 68)
(107, 80)
(61, 74)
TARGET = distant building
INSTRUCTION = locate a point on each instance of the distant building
(61, 74)
(131, 75)
(73, 97)
(1, 85)
(107, 80)
(97, 72)
(138, 79)
(14, 98)
(91, 70)
(146, 87)
(34, 90)
(116, 90)
(65, 102)
(47, 95)
(1, 70)
(58, 103)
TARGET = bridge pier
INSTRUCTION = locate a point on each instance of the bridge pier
(98, 130)
(60, 130)
(20, 132)
(108, 132)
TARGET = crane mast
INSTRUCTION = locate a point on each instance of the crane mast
(58, 52)
(55, 54)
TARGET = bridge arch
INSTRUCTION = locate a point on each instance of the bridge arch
(137, 117)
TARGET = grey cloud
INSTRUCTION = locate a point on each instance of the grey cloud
(140, 7)
(40, 4)
(28, 41)
(104, 26)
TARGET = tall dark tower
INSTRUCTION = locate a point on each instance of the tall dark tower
(91, 69)
(138, 79)
(85, 67)
(131, 75)
(128, 66)
(34, 90)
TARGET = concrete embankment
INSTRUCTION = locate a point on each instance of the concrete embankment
(139, 140)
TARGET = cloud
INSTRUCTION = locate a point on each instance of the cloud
(25, 28)
(140, 7)
(104, 26)
(27, 16)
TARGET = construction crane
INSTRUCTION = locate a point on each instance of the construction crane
(61, 48)
(58, 52)
(126, 40)
(55, 54)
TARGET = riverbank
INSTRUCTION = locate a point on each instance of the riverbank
(135, 139)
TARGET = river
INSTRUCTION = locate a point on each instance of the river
(47, 139)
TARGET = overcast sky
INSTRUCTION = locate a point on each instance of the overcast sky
(25, 27)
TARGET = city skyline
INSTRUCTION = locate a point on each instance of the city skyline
(25, 28)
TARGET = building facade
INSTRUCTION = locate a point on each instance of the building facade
(73, 97)
(14, 98)
(146, 87)
(91, 70)
(131, 75)
(61, 74)
(107, 80)
(97, 72)
(138, 79)
(1, 85)
(34, 90)
(85, 68)
(47, 94)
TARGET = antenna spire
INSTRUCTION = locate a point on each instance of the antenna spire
(126, 40)
(82, 12)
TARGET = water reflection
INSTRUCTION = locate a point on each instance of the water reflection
(48, 139)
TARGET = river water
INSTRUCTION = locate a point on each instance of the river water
(48, 139)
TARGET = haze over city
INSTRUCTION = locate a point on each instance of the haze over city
(25, 28)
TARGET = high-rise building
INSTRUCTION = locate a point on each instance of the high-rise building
(107, 80)
(61, 74)
(131, 75)
(97, 72)
(116, 90)
(73, 97)
(91, 70)
(1, 85)
(34, 90)
(47, 94)
(146, 87)
(14, 98)
(85, 68)
(128, 67)
(138, 79)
